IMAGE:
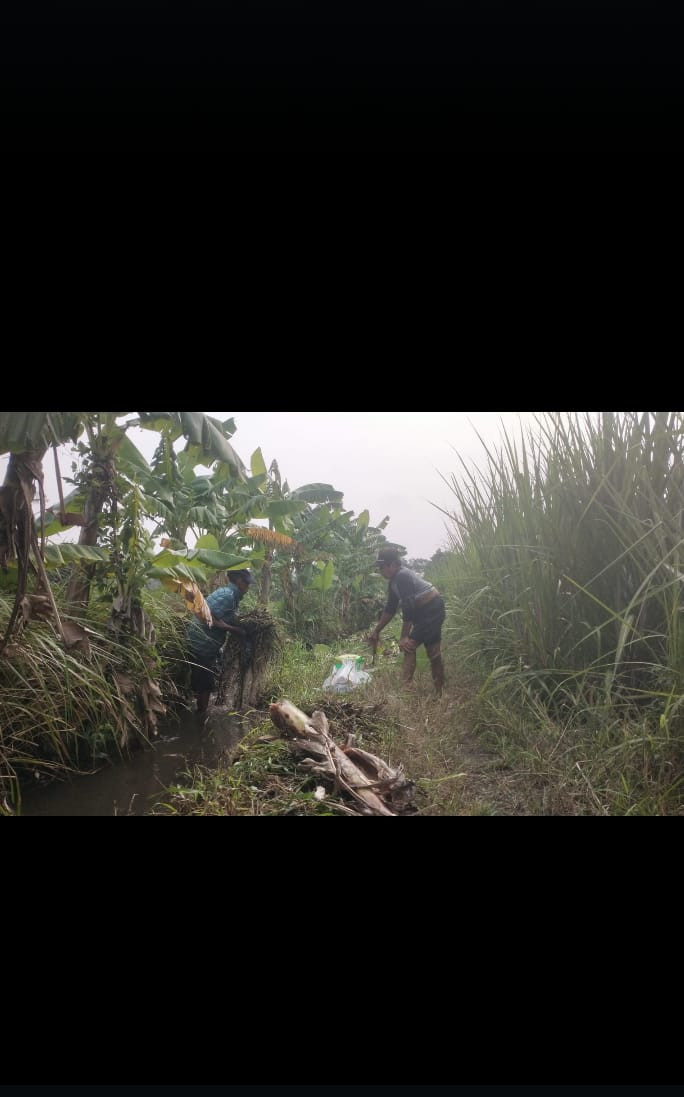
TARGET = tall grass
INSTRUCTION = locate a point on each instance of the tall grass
(65, 710)
(565, 580)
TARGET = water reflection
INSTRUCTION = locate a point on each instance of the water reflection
(134, 786)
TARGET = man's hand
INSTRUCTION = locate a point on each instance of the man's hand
(229, 628)
(407, 645)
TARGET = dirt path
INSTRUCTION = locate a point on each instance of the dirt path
(456, 774)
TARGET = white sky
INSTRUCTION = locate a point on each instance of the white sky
(385, 462)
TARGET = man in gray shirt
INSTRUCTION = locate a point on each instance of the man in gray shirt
(423, 613)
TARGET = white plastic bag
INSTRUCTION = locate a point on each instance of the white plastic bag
(347, 674)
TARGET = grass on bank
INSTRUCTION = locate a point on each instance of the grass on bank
(479, 750)
(65, 711)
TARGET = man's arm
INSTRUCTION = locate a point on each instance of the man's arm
(374, 636)
(218, 622)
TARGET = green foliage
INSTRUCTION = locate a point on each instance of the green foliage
(301, 673)
(323, 577)
(567, 551)
(564, 591)
(55, 704)
(206, 436)
(36, 430)
(263, 781)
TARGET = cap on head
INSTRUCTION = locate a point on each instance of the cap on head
(387, 556)
(244, 573)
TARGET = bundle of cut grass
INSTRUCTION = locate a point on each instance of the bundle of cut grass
(247, 660)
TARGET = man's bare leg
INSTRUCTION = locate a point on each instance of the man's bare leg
(434, 652)
(409, 667)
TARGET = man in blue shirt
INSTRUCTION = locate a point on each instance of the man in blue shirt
(206, 641)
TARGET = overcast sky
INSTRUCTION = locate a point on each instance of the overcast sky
(386, 462)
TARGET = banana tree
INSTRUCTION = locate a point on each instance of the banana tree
(356, 544)
(27, 435)
(207, 441)
(133, 562)
(284, 509)
(296, 572)
(329, 535)
(185, 501)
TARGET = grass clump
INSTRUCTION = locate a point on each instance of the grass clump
(65, 710)
(263, 780)
(564, 597)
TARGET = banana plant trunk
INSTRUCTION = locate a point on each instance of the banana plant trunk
(265, 589)
(101, 485)
(16, 520)
(345, 604)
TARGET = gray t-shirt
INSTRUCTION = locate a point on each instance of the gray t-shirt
(404, 588)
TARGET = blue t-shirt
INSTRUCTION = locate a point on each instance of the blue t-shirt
(205, 642)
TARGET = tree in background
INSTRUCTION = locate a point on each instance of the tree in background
(417, 564)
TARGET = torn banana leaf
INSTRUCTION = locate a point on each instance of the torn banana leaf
(192, 596)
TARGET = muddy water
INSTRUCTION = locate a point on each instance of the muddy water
(134, 786)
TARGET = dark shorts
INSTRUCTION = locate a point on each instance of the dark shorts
(427, 624)
(202, 679)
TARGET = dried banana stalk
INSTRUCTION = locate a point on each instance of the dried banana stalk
(364, 776)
